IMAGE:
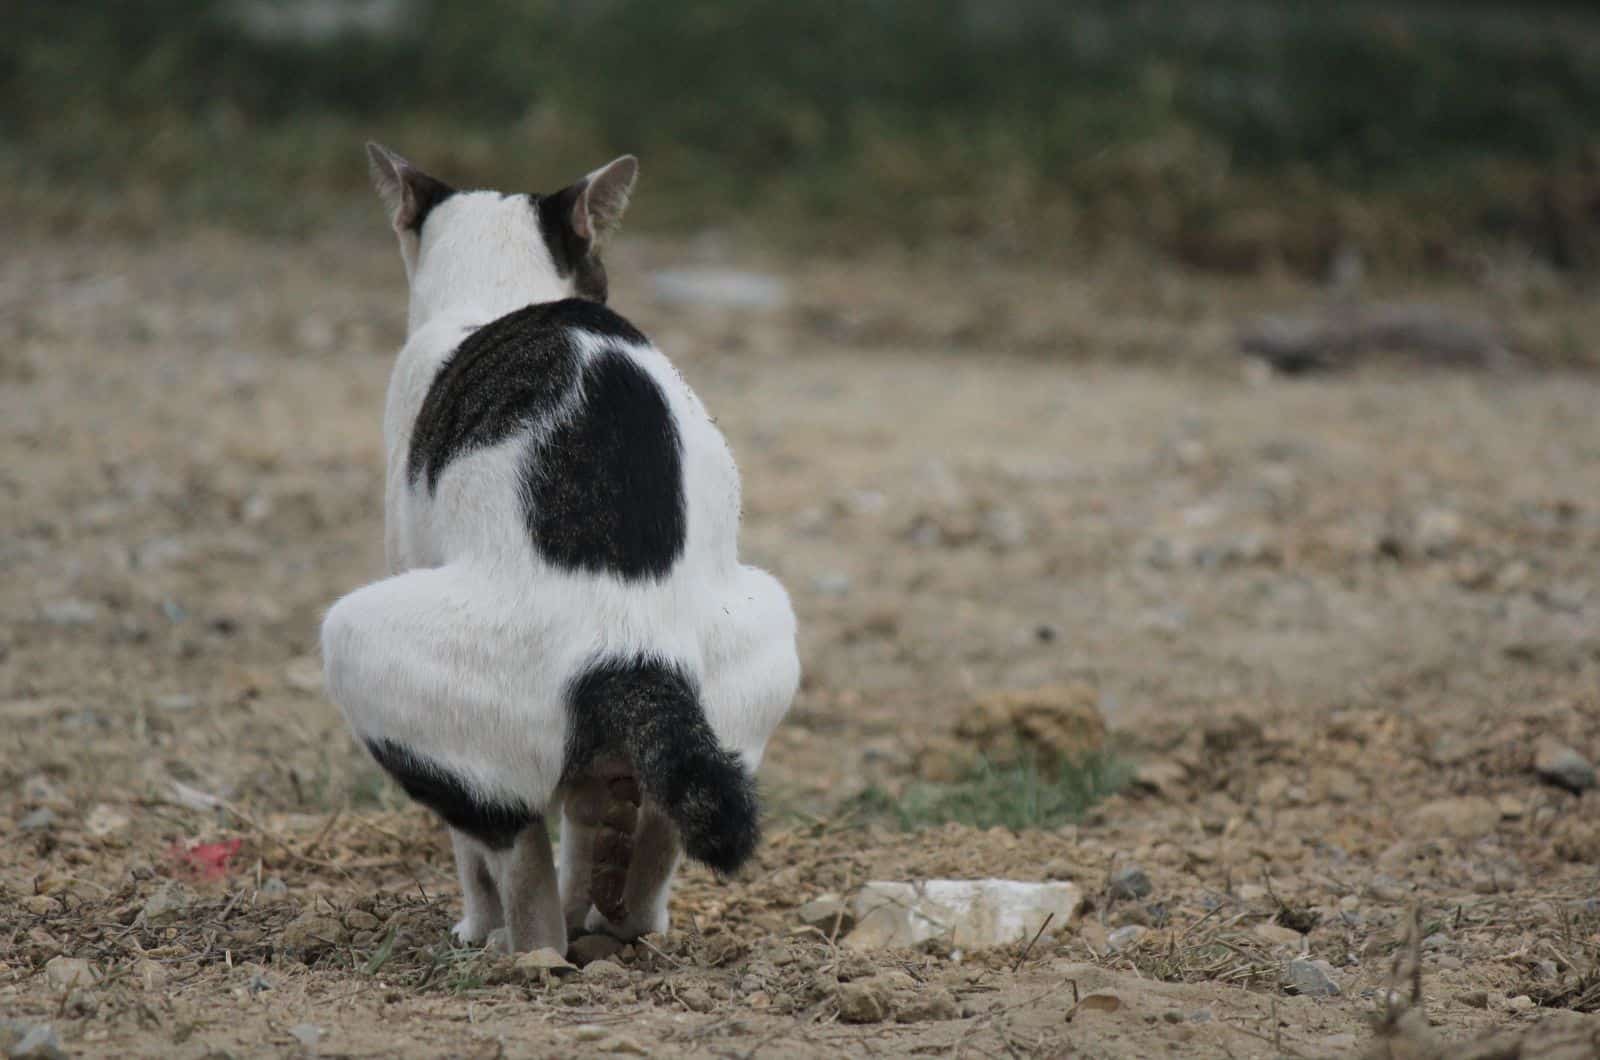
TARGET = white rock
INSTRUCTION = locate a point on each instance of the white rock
(720, 287)
(970, 914)
(63, 972)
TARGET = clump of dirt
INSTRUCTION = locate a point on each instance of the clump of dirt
(1050, 727)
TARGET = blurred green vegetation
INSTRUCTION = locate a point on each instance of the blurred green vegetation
(1231, 133)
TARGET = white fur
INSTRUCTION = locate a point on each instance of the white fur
(465, 652)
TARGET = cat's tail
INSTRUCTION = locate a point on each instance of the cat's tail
(650, 712)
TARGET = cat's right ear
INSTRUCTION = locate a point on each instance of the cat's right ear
(407, 192)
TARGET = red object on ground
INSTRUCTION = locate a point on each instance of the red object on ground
(208, 861)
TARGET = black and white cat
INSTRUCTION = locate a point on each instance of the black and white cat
(566, 626)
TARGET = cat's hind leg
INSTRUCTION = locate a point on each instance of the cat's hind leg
(525, 876)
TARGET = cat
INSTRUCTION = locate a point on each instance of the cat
(566, 628)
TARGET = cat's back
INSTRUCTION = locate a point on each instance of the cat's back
(560, 426)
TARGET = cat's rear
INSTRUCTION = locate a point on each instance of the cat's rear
(567, 611)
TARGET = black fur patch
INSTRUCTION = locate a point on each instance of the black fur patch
(507, 375)
(427, 193)
(604, 492)
(495, 824)
(573, 256)
(649, 712)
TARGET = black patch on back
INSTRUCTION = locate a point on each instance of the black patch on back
(573, 256)
(604, 493)
(649, 711)
(495, 824)
(507, 375)
(429, 193)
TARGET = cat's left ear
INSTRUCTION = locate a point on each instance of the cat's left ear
(602, 197)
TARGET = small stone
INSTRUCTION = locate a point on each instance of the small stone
(965, 914)
(1558, 764)
(532, 964)
(304, 674)
(1099, 1001)
(589, 1032)
(1250, 892)
(1511, 808)
(361, 920)
(151, 975)
(1276, 934)
(105, 819)
(41, 820)
(1383, 888)
(38, 1043)
(63, 972)
(1124, 937)
(41, 904)
(1163, 776)
(926, 1004)
(1310, 978)
(311, 934)
(696, 999)
(604, 970)
(273, 889)
(586, 949)
(71, 612)
(166, 904)
(863, 1001)
(1464, 817)
(1130, 882)
(1474, 998)
(1340, 1043)
(309, 1035)
(831, 583)
(1520, 1003)
(826, 912)
(623, 1046)
(1438, 531)
(177, 701)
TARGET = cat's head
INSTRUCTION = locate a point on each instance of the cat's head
(465, 248)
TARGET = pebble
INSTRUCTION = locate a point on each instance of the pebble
(544, 959)
(1558, 764)
(41, 820)
(71, 612)
(1130, 882)
(831, 583)
(104, 819)
(586, 949)
(696, 999)
(863, 1001)
(1520, 1003)
(603, 969)
(926, 1004)
(62, 972)
(1310, 978)
(1474, 999)
(166, 904)
(309, 1035)
(1276, 934)
(1464, 817)
(1123, 937)
(37, 1043)
(825, 911)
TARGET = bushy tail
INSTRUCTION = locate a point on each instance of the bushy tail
(650, 712)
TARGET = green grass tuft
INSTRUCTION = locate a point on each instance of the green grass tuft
(1017, 797)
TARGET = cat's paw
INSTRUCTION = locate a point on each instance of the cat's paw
(469, 931)
(629, 928)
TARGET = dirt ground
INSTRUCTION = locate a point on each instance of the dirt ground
(1329, 618)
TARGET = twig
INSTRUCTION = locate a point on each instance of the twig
(1029, 947)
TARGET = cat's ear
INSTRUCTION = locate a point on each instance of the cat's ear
(407, 192)
(602, 197)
